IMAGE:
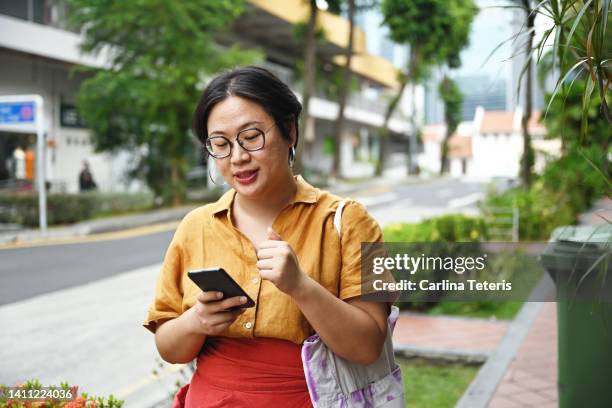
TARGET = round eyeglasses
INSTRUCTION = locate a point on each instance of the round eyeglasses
(251, 140)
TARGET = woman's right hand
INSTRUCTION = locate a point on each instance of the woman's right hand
(211, 315)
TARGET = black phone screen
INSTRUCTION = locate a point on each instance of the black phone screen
(217, 279)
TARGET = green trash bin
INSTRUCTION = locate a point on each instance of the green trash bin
(580, 262)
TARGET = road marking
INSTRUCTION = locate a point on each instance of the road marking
(465, 201)
(130, 389)
(445, 192)
(380, 199)
(106, 236)
(371, 191)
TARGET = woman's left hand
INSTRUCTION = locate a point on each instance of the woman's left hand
(278, 263)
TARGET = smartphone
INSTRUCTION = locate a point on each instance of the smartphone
(217, 279)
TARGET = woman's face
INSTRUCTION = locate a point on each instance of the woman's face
(253, 174)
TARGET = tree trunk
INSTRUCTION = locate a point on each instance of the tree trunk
(444, 167)
(344, 91)
(384, 131)
(175, 180)
(526, 161)
(310, 69)
(411, 146)
(444, 152)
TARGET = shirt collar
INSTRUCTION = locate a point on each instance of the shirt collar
(305, 194)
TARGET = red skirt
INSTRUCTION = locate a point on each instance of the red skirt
(249, 373)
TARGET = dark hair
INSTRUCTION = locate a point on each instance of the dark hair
(258, 85)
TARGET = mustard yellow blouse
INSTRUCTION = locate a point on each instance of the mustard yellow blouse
(206, 238)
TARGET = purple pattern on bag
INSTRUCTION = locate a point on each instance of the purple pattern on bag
(323, 364)
(323, 385)
(371, 391)
(310, 381)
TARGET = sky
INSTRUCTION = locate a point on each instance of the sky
(491, 27)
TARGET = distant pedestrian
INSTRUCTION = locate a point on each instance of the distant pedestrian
(19, 163)
(86, 180)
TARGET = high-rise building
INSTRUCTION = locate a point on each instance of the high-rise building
(480, 90)
(482, 77)
(519, 57)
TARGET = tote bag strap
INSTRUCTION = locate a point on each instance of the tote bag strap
(338, 216)
(378, 384)
(387, 357)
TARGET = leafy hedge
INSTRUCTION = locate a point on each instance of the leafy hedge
(446, 228)
(540, 209)
(22, 208)
(437, 237)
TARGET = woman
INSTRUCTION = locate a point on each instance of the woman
(274, 234)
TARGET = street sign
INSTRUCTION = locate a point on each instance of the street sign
(24, 114)
(12, 113)
(69, 117)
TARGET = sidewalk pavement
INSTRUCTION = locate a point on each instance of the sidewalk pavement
(67, 335)
(469, 340)
(531, 379)
(12, 235)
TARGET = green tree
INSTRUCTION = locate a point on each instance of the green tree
(344, 90)
(579, 38)
(161, 54)
(582, 173)
(452, 98)
(436, 31)
(576, 48)
(335, 83)
(309, 76)
(353, 7)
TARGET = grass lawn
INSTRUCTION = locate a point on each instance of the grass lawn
(485, 309)
(434, 385)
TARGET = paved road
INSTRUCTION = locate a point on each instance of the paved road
(414, 202)
(27, 272)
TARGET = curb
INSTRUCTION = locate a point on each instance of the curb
(456, 317)
(97, 226)
(343, 188)
(442, 354)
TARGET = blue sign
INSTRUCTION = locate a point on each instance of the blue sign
(15, 113)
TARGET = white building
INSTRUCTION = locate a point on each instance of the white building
(489, 146)
(37, 55)
(497, 143)
(37, 58)
(459, 149)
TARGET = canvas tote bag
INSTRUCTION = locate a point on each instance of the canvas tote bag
(334, 382)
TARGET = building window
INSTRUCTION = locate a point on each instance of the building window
(29, 10)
